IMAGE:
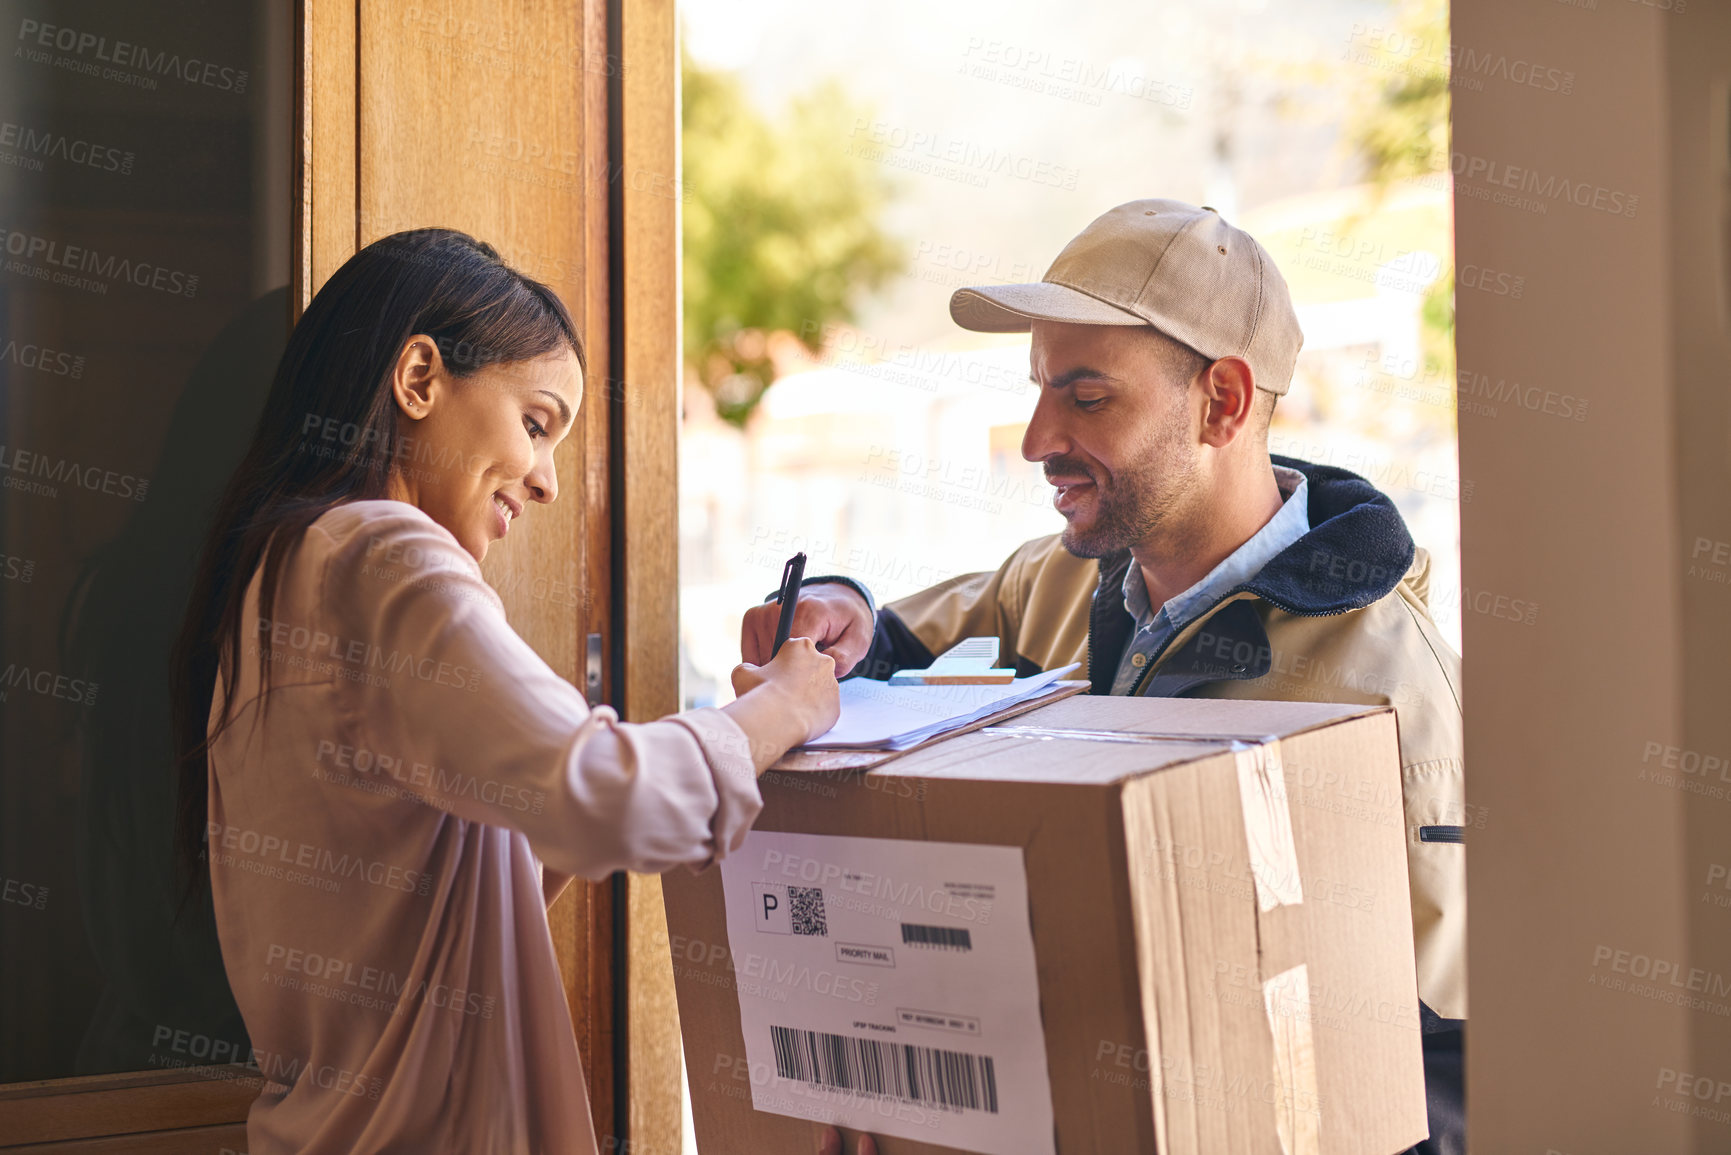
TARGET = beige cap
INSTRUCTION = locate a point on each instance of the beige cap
(1174, 266)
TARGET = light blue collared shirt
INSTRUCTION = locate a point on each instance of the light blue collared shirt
(1153, 630)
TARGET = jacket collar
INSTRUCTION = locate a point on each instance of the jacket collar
(1356, 552)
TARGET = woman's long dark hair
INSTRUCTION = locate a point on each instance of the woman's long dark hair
(328, 434)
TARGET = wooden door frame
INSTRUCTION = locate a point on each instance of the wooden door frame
(624, 1009)
(644, 154)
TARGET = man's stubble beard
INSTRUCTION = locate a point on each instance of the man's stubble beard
(1142, 498)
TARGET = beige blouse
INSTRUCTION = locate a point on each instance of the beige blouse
(377, 835)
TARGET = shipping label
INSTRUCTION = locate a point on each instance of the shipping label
(889, 986)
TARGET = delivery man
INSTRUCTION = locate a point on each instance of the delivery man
(1192, 563)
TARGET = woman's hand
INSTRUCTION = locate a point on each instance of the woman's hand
(829, 1143)
(803, 679)
(788, 700)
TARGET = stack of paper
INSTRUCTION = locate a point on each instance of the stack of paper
(878, 716)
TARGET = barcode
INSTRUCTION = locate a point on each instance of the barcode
(956, 936)
(807, 904)
(898, 1070)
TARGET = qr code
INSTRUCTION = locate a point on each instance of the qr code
(807, 904)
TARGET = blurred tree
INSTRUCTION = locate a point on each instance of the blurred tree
(781, 229)
(1402, 133)
(1437, 332)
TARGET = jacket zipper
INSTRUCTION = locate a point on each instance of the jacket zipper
(1148, 670)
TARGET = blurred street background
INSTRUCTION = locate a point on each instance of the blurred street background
(847, 167)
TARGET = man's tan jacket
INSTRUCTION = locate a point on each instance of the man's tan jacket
(1340, 616)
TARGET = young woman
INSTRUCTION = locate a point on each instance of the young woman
(390, 785)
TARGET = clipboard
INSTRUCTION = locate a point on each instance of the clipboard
(862, 760)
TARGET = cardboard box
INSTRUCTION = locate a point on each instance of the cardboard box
(1221, 937)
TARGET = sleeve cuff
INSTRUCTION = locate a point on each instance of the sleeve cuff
(836, 579)
(738, 801)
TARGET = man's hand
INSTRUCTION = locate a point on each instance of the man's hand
(829, 1143)
(832, 615)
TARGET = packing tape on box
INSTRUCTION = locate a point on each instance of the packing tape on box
(1297, 1112)
(1274, 867)
(1268, 825)
(1261, 793)
(1046, 733)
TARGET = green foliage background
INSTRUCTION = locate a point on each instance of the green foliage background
(781, 232)
(783, 229)
(1402, 133)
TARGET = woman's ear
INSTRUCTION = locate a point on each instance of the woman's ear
(416, 375)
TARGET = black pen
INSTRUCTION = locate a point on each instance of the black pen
(791, 575)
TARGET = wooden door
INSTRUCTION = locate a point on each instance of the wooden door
(493, 118)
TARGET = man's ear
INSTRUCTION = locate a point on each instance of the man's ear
(418, 367)
(1230, 391)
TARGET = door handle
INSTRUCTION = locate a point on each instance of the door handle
(592, 671)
